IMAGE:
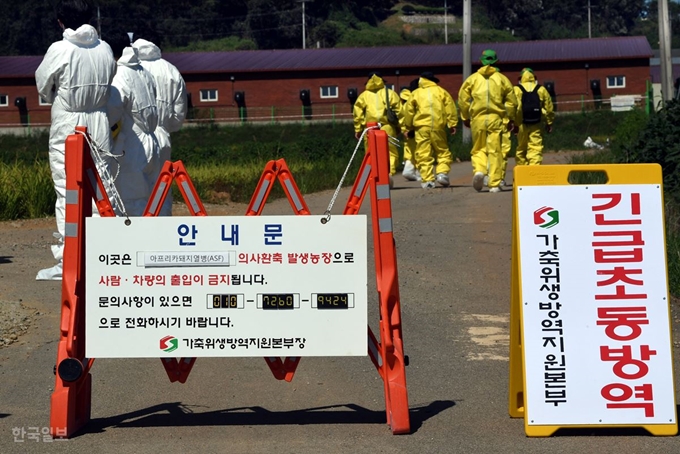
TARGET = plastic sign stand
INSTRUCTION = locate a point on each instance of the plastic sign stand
(590, 326)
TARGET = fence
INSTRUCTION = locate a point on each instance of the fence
(273, 114)
(331, 113)
(570, 103)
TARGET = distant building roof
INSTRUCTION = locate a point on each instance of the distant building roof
(19, 66)
(408, 56)
(379, 57)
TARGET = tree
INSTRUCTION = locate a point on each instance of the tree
(618, 17)
(27, 28)
(544, 19)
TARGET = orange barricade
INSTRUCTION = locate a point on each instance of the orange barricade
(388, 354)
(71, 399)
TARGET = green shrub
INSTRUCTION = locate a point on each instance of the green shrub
(673, 247)
(627, 134)
(659, 142)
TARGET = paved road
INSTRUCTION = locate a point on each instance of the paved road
(454, 268)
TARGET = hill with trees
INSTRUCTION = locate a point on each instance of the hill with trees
(28, 27)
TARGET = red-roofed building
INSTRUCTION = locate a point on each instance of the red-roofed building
(285, 84)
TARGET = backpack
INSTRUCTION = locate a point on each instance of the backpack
(531, 106)
(391, 115)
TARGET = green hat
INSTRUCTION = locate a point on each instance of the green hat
(488, 57)
(525, 70)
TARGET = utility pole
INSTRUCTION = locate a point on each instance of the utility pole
(467, 50)
(665, 52)
(589, 34)
(446, 24)
(304, 32)
(99, 23)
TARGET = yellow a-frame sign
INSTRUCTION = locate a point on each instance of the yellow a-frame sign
(590, 334)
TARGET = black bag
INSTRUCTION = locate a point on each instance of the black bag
(531, 106)
(392, 117)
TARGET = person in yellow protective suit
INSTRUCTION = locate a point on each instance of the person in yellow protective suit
(430, 111)
(410, 171)
(505, 151)
(505, 148)
(530, 138)
(485, 99)
(371, 107)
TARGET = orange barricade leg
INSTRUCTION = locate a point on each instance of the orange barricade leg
(264, 187)
(188, 191)
(176, 370)
(160, 190)
(356, 197)
(282, 370)
(291, 189)
(273, 170)
(174, 171)
(71, 399)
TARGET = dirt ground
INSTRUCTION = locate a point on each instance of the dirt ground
(25, 247)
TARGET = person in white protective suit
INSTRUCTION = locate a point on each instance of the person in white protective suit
(74, 76)
(171, 100)
(132, 107)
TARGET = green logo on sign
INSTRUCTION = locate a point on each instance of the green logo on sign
(169, 344)
(546, 217)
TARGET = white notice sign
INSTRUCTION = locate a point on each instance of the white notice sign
(226, 286)
(596, 330)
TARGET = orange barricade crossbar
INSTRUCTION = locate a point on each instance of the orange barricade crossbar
(71, 399)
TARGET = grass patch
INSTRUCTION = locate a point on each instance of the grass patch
(26, 190)
(224, 182)
(571, 130)
(225, 162)
(24, 149)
